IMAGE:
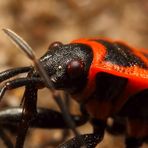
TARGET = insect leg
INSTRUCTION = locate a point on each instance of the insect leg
(132, 142)
(28, 114)
(137, 132)
(98, 127)
(116, 125)
(87, 140)
(136, 112)
(45, 118)
(5, 138)
(18, 83)
(13, 72)
(84, 141)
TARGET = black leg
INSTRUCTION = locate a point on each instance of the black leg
(137, 131)
(13, 72)
(87, 140)
(82, 141)
(18, 83)
(45, 118)
(5, 138)
(98, 127)
(116, 125)
(28, 114)
(132, 142)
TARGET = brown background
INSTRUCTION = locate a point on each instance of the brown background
(41, 22)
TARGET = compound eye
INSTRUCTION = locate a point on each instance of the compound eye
(75, 68)
(55, 44)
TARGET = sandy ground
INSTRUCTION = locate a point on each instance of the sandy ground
(44, 21)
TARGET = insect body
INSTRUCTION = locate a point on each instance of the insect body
(107, 78)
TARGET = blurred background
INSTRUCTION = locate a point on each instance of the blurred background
(40, 22)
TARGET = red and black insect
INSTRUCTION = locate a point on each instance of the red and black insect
(107, 78)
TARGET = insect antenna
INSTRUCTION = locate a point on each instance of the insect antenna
(23, 45)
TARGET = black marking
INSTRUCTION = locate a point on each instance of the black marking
(109, 87)
(137, 106)
(120, 54)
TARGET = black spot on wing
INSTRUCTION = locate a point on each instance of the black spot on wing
(120, 54)
(109, 87)
(136, 107)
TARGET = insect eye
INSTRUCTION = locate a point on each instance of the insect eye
(75, 68)
(55, 44)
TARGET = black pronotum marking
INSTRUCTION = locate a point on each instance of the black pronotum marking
(120, 54)
(137, 106)
(109, 87)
